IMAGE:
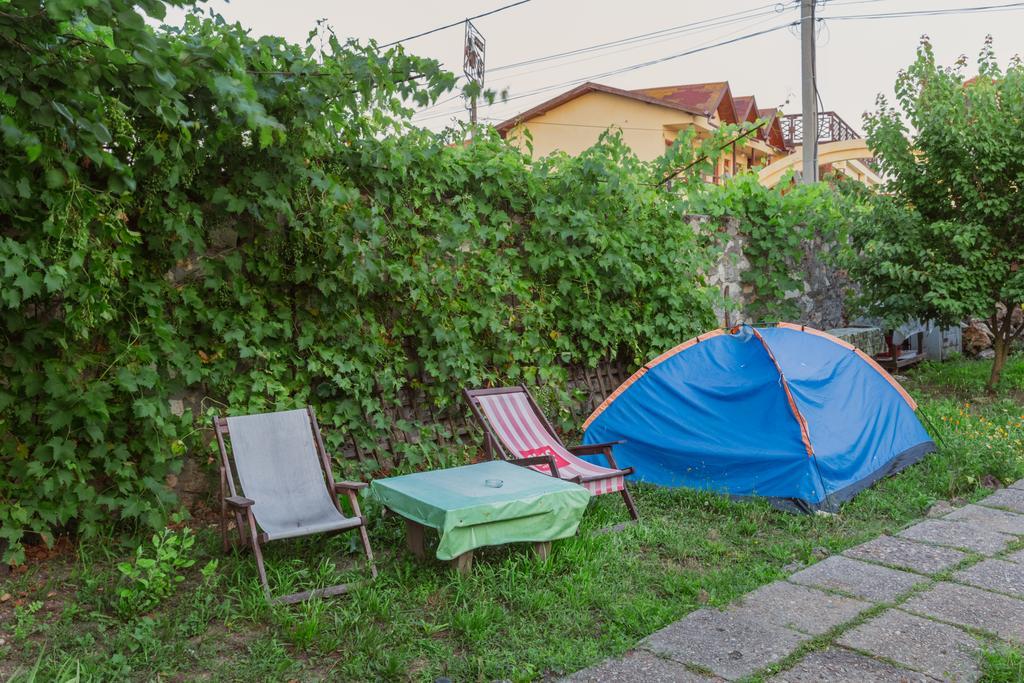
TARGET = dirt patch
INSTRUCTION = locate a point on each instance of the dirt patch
(681, 564)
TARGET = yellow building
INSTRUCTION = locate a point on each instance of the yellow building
(650, 119)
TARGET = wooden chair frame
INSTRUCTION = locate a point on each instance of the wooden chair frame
(248, 529)
(494, 447)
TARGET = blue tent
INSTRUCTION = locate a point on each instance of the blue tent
(785, 412)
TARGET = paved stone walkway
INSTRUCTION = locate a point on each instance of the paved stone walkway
(918, 606)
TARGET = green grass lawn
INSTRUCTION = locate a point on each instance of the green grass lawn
(513, 617)
(1003, 665)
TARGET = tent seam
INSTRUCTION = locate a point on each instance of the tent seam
(805, 432)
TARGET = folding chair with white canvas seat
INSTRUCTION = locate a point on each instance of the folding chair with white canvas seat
(286, 487)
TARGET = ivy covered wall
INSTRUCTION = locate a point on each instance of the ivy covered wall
(199, 213)
(779, 249)
(194, 221)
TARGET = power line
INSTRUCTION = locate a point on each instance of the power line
(931, 12)
(880, 15)
(634, 42)
(632, 67)
(585, 125)
(626, 69)
(832, 3)
(641, 37)
(453, 24)
(703, 157)
(909, 13)
(660, 60)
(745, 21)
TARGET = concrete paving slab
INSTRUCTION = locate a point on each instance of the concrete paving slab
(899, 552)
(939, 650)
(839, 665)
(967, 606)
(958, 535)
(1018, 485)
(1010, 499)
(989, 519)
(638, 667)
(798, 607)
(1016, 557)
(995, 575)
(729, 644)
(859, 579)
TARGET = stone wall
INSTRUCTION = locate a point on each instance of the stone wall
(820, 301)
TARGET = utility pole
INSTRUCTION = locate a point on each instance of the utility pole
(810, 95)
(473, 65)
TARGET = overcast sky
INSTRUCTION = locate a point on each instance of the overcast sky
(857, 59)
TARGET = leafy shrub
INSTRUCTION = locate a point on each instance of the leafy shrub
(946, 239)
(156, 571)
(119, 141)
(198, 210)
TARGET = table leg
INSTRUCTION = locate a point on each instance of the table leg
(542, 549)
(414, 538)
(463, 564)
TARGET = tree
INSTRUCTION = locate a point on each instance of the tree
(946, 239)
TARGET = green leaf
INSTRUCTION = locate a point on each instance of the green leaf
(33, 151)
(54, 278)
(29, 284)
(30, 97)
(126, 379)
(55, 178)
(266, 136)
(63, 111)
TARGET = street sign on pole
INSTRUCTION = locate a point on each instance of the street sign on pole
(473, 64)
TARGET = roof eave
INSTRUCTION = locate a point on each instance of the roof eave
(505, 126)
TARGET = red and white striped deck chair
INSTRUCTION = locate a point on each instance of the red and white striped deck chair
(517, 431)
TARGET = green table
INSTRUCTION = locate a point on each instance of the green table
(528, 507)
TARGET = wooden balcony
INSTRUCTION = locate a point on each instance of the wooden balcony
(831, 128)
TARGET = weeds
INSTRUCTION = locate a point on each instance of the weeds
(69, 671)
(25, 619)
(513, 617)
(1003, 665)
(156, 572)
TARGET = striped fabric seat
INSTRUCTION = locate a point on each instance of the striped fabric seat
(521, 431)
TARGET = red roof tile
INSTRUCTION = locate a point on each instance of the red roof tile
(706, 98)
(745, 106)
(774, 128)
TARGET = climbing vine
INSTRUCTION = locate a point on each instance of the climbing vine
(780, 227)
(194, 211)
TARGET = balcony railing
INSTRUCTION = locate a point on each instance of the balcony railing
(831, 128)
